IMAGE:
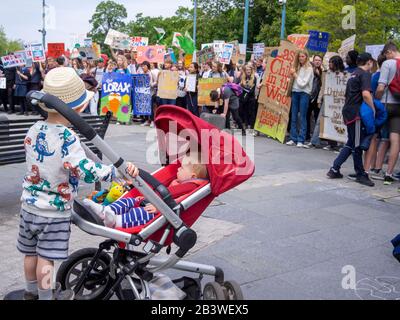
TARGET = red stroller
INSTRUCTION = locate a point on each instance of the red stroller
(118, 266)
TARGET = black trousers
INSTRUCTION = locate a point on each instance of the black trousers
(4, 99)
(313, 108)
(10, 94)
(236, 118)
(248, 111)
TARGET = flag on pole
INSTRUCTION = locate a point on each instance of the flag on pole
(50, 20)
(160, 33)
(185, 42)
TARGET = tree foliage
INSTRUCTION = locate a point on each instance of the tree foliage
(6, 45)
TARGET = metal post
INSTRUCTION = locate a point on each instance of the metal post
(195, 23)
(283, 20)
(44, 25)
(246, 21)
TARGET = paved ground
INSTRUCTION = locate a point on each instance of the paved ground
(285, 234)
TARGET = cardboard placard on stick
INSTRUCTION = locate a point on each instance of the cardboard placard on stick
(300, 40)
(55, 50)
(332, 125)
(168, 84)
(205, 88)
(347, 45)
(152, 54)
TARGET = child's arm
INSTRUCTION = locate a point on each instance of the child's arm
(88, 170)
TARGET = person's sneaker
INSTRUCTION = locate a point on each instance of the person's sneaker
(305, 146)
(327, 148)
(377, 174)
(352, 177)
(19, 113)
(300, 145)
(334, 174)
(29, 296)
(397, 175)
(59, 294)
(152, 124)
(365, 181)
(389, 179)
(290, 143)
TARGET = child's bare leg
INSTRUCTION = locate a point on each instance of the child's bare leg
(30, 264)
(44, 274)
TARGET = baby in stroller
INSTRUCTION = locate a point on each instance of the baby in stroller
(132, 212)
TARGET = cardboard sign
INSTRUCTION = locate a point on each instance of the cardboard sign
(188, 60)
(141, 95)
(274, 100)
(139, 42)
(205, 87)
(319, 41)
(205, 55)
(152, 54)
(38, 54)
(116, 96)
(332, 125)
(3, 83)
(55, 50)
(86, 53)
(114, 34)
(170, 55)
(271, 52)
(258, 50)
(14, 60)
(207, 45)
(300, 40)
(218, 46)
(347, 45)
(28, 61)
(87, 42)
(121, 43)
(191, 83)
(227, 53)
(375, 50)
(96, 50)
(28, 51)
(168, 84)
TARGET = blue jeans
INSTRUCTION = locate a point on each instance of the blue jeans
(356, 134)
(300, 103)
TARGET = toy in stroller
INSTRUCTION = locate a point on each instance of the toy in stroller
(118, 266)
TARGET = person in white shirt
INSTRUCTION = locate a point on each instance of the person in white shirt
(301, 92)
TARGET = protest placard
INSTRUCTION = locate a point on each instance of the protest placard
(86, 52)
(152, 54)
(96, 50)
(319, 41)
(87, 42)
(168, 84)
(28, 61)
(300, 40)
(55, 50)
(207, 45)
(188, 60)
(170, 55)
(191, 83)
(3, 83)
(347, 45)
(270, 52)
(218, 46)
(375, 50)
(114, 34)
(274, 100)
(227, 53)
(258, 50)
(14, 60)
(139, 42)
(205, 87)
(205, 55)
(332, 125)
(121, 43)
(38, 54)
(116, 95)
(28, 51)
(141, 95)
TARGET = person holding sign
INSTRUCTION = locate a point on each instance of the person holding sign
(358, 90)
(22, 78)
(191, 89)
(301, 91)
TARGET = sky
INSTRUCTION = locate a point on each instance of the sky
(23, 18)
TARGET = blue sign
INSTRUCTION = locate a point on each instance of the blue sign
(318, 41)
(141, 95)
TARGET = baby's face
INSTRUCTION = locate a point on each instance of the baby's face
(185, 172)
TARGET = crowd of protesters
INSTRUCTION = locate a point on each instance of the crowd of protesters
(369, 80)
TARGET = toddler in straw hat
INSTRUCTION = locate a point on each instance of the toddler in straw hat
(56, 162)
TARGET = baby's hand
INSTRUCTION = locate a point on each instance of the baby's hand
(132, 171)
(150, 209)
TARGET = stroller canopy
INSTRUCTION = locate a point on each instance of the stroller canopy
(227, 163)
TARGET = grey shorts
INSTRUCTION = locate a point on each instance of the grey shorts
(47, 238)
(393, 117)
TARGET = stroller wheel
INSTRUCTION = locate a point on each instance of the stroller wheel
(97, 283)
(234, 292)
(214, 291)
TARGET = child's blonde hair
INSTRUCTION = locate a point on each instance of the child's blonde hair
(194, 159)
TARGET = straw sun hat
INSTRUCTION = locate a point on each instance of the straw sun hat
(65, 84)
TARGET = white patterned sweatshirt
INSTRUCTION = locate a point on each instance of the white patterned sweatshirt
(56, 162)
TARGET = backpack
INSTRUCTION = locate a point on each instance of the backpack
(236, 88)
(394, 86)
